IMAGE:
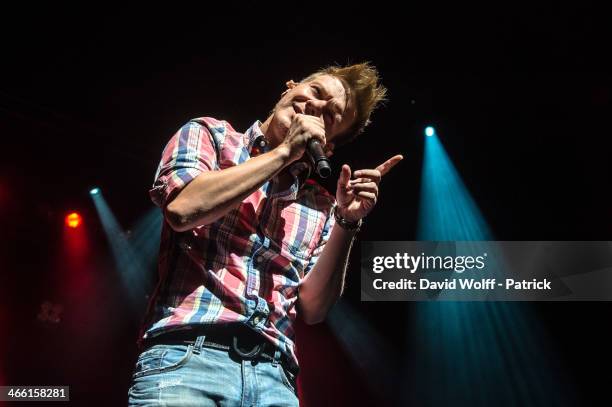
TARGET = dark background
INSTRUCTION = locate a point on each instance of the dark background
(520, 97)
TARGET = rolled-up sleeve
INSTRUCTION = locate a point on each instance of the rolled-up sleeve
(188, 153)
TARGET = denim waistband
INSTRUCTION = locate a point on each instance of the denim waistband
(240, 341)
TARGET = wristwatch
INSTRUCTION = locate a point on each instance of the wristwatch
(345, 224)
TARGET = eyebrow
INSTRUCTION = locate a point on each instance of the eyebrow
(338, 109)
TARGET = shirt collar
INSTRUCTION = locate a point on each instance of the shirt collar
(255, 137)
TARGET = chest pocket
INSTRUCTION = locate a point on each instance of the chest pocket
(294, 228)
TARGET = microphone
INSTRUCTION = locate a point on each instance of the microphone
(318, 158)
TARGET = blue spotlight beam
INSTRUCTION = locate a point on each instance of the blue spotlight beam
(478, 353)
(447, 210)
(145, 237)
(129, 264)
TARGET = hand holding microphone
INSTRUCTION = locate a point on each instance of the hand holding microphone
(307, 133)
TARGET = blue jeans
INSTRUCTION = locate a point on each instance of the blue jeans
(195, 375)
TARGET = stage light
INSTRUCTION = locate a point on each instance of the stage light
(73, 220)
(94, 191)
(503, 356)
(134, 253)
(429, 131)
(447, 209)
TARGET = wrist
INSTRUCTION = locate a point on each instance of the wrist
(346, 223)
(283, 152)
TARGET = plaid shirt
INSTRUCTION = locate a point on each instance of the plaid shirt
(247, 266)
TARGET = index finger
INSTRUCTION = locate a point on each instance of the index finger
(390, 163)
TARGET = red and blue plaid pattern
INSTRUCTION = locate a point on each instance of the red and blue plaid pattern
(247, 266)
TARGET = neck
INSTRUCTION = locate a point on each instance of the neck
(265, 128)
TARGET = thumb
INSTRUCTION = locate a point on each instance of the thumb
(345, 176)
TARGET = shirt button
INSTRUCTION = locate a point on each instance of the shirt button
(260, 259)
(256, 320)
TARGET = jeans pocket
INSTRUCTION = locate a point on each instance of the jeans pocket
(287, 378)
(162, 358)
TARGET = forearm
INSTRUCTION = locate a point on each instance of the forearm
(212, 194)
(322, 287)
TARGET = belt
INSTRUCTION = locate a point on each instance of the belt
(235, 339)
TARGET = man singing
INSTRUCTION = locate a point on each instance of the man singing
(250, 242)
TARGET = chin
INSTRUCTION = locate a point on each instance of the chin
(281, 126)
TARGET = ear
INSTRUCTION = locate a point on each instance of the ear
(290, 85)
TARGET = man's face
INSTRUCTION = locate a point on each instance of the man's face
(324, 96)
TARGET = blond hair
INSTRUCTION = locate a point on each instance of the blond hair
(361, 81)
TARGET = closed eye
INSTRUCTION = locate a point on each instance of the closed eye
(316, 91)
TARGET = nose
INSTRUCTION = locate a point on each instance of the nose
(314, 107)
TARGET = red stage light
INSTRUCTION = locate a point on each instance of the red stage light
(73, 220)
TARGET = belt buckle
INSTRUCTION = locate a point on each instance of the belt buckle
(249, 354)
